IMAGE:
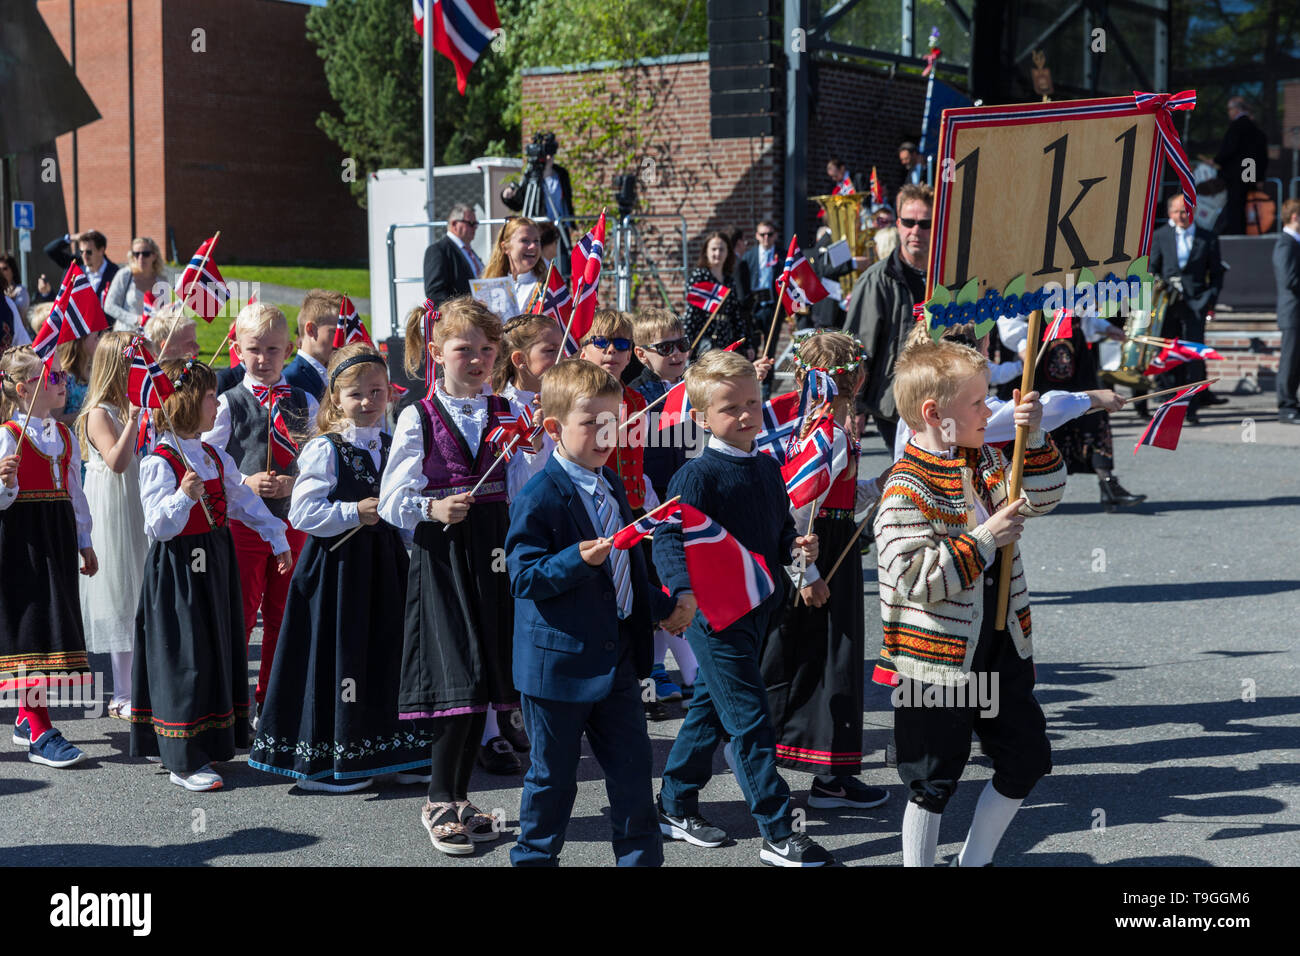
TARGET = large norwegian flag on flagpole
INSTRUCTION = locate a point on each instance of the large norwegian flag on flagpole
(349, 328)
(201, 288)
(585, 262)
(728, 580)
(1166, 424)
(802, 287)
(807, 471)
(462, 30)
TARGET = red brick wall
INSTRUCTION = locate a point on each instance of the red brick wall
(224, 139)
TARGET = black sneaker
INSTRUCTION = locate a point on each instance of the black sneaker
(693, 829)
(796, 850)
(845, 792)
(657, 710)
(497, 756)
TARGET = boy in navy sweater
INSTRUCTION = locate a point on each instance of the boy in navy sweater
(584, 613)
(744, 492)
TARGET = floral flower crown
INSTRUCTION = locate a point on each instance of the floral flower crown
(803, 335)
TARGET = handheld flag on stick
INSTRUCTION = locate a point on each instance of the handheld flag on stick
(146, 385)
(586, 263)
(48, 337)
(203, 291)
(1166, 425)
(80, 308)
(802, 287)
(877, 191)
(631, 535)
(807, 471)
(780, 420)
(350, 328)
(707, 296)
(1061, 326)
(844, 187)
(509, 432)
(281, 448)
(556, 301)
(677, 406)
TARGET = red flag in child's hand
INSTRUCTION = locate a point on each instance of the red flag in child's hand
(146, 385)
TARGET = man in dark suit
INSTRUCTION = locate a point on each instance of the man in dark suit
(583, 628)
(450, 262)
(1187, 258)
(1286, 268)
(756, 274)
(86, 248)
(1242, 141)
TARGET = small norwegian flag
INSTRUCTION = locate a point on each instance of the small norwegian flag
(1166, 424)
(1061, 326)
(350, 328)
(586, 263)
(48, 337)
(844, 187)
(147, 310)
(79, 306)
(202, 289)
(508, 433)
(146, 385)
(802, 287)
(677, 406)
(632, 535)
(1167, 359)
(707, 296)
(877, 191)
(283, 448)
(555, 300)
(780, 420)
(807, 471)
(230, 346)
(1195, 351)
(734, 345)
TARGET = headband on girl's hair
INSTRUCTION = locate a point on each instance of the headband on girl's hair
(184, 377)
(355, 360)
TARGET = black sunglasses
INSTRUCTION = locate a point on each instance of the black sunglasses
(665, 349)
(141, 253)
(472, 223)
(909, 223)
(602, 343)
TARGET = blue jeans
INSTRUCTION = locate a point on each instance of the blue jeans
(616, 730)
(730, 697)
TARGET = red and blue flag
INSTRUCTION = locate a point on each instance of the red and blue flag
(807, 471)
(350, 328)
(203, 291)
(462, 30)
(1166, 424)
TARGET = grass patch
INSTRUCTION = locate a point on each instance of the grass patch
(354, 283)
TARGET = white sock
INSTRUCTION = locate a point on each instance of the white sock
(121, 664)
(920, 835)
(490, 728)
(661, 645)
(683, 655)
(992, 815)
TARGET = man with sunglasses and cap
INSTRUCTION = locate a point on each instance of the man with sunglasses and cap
(880, 312)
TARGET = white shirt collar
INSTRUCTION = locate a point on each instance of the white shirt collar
(1190, 230)
(320, 369)
(1293, 233)
(717, 444)
(452, 401)
(367, 437)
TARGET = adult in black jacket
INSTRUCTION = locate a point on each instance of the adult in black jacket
(1198, 280)
(757, 291)
(828, 313)
(451, 262)
(1286, 268)
(90, 253)
(1243, 140)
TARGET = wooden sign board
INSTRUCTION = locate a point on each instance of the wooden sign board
(1043, 190)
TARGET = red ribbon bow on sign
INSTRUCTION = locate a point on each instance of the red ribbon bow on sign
(268, 393)
(1163, 105)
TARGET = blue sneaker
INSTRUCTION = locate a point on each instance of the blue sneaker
(23, 733)
(53, 750)
(665, 689)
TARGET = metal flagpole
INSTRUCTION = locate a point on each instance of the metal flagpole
(427, 42)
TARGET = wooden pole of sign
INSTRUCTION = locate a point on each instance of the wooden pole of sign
(712, 316)
(1018, 464)
(198, 276)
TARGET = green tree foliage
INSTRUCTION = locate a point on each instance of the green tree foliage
(372, 67)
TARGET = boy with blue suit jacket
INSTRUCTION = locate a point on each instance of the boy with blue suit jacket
(584, 615)
(316, 321)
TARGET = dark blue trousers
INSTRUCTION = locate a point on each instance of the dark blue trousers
(730, 697)
(616, 729)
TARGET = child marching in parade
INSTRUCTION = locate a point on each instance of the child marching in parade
(459, 612)
(330, 717)
(942, 521)
(44, 525)
(812, 663)
(107, 429)
(529, 346)
(190, 687)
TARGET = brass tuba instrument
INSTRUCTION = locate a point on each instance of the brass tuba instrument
(844, 215)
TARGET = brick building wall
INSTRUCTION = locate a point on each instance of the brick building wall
(225, 138)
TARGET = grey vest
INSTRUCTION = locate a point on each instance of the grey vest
(248, 442)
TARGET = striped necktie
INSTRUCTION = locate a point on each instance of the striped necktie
(618, 559)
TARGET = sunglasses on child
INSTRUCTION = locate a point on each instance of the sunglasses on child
(665, 349)
(51, 378)
(602, 343)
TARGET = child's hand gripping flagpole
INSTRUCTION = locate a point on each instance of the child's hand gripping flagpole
(776, 317)
(198, 277)
(203, 501)
(1018, 464)
(709, 321)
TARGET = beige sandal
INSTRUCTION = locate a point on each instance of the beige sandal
(448, 837)
(479, 827)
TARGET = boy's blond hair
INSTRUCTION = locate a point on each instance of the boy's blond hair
(937, 370)
(166, 321)
(610, 324)
(320, 306)
(655, 325)
(716, 367)
(260, 318)
(564, 384)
